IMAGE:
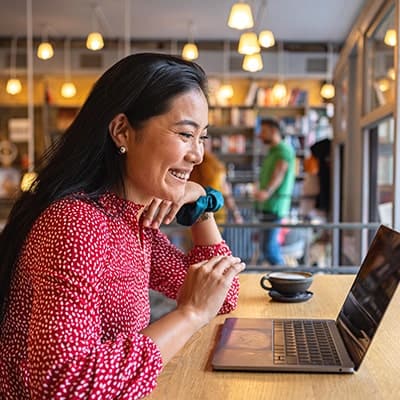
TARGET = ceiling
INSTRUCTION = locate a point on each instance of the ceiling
(290, 20)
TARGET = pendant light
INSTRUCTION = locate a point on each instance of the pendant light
(248, 43)
(190, 51)
(68, 89)
(328, 90)
(279, 90)
(252, 62)
(240, 16)
(390, 38)
(266, 38)
(391, 73)
(225, 92)
(95, 40)
(45, 50)
(13, 86)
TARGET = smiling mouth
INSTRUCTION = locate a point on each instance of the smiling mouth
(181, 175)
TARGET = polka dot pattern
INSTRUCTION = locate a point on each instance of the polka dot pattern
(79, 300)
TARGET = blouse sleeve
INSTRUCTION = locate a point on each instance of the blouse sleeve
(169, 266)
(67, 357)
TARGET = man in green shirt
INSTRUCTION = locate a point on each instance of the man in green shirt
(276, 181)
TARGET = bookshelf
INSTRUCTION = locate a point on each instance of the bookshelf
(234, 132)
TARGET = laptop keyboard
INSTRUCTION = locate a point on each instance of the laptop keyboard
(304, 342)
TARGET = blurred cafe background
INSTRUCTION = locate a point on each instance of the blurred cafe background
(326, 70)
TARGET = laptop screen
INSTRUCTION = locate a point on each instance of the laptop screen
(370, 294)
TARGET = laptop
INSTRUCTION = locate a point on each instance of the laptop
(318, 345)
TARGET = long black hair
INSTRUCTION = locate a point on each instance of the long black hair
(86, 160)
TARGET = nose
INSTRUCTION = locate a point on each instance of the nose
(195, 154)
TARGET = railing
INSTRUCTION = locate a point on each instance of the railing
(322, 247)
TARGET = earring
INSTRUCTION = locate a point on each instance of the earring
(122, 150)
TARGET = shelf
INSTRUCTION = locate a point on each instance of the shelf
(280, 108)
(242, 179)
(261, 108)
(230, 130)
(240, 107)
(230, 155)
(299, 134)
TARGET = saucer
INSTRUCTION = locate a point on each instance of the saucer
(297, 298)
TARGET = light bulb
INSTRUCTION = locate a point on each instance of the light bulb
(252, 62)
(13, 86)
(94, 41)
(45, 51)
(391, 73)
(266, 39)
(248, 43)
(383, 84)
(327, 91)
(190, 52)
(226, 91)
(279, 91)
(68, 90)
(390, 37)
(240, 17)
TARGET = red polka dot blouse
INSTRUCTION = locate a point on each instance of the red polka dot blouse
(80, 297)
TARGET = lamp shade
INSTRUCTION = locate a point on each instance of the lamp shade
(390, 37)
(266, 39)
(248, 43)
(45, 51)
(279, 91)
(240, 16)
(13, 86)
(190, 51)
(94, 41)
(327, 91)
(68, 90)
(252, 62)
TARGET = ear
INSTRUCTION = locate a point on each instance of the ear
(119, 130)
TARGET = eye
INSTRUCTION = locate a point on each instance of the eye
(204, 138)
(186, 135)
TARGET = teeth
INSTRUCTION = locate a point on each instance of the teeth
(180, 175)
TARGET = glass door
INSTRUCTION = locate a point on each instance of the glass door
(381, 153)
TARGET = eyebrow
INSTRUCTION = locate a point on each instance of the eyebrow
(191, 123)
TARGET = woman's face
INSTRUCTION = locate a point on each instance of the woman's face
(162, 153)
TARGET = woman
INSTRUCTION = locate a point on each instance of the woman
(82, 248)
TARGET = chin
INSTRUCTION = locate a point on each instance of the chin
(173, 195)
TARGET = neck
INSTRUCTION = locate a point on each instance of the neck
(276, 140)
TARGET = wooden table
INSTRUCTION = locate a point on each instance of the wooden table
(189, 376)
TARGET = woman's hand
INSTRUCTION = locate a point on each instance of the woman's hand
(206, 286)
(163, 211)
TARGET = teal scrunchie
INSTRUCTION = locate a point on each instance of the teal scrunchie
(190, 213)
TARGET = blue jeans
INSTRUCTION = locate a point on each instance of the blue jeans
(271, 247)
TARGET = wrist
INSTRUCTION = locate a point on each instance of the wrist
(190, 213)
(191, 316)
(204, 217)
